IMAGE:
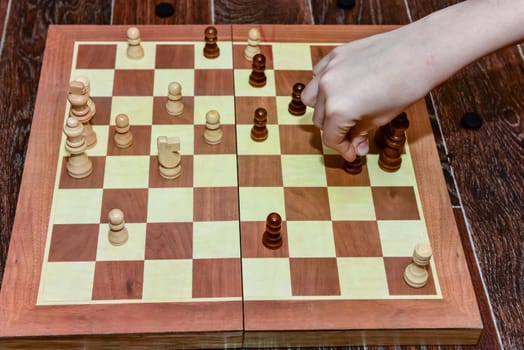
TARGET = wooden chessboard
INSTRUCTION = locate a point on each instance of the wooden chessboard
(194, 272)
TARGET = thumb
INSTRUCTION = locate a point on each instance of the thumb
(310, 92)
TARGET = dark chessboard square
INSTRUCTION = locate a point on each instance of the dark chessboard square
(247, 105)
(175, 56)
(317, 52)
(314, 276)
(169, 240)
(357, 238)
(251, 239)
(141, 142)
(226, 146)
(133, 82)
(93, 56)
(118, 280)
(285, 79)
(240, 62)
(307, 203)
(74, 242)
(95, 180)
(184, 180)
(133, 202)
(160, 115)
(395, 267)
(395, 203)
(336, 176)
(103, 110)
(300, 139)
(214, 82)
(215, 203)
(259, 170)
(213, 278)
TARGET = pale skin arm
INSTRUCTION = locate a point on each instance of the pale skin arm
(366, 83)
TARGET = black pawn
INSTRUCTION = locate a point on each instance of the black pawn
(354, 167)
(380, 134)
(296, 107)
(390, 158)
(259, 131)
(257, 78)
(272, 237)
(211, 49)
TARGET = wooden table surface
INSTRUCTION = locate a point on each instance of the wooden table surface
(484, 169)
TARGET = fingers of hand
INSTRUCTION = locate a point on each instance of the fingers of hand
(319, 112)
(322, 64)
(358, 137)
(310, 92)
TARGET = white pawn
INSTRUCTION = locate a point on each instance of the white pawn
(169, 157)
(123, 137)
(213, 133)
(118, 233)
(135, 51)
(80, 109)
(79, 165)
(85, 80)
(416, 274)
(253, 44)
(174, 105)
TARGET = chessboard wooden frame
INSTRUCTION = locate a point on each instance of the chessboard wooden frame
(453, 319)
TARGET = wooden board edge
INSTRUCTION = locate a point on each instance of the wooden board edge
(149, 32)
(297, 32)
(452, 269)
(361, 337)
(203, 340)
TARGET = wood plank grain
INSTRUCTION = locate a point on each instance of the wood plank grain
(255, 11)
(21, 62)
(3, 12)
(364, 12)
(143, 12)
(488, 338)
(488, 169)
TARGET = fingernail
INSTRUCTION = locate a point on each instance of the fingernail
(363, 148)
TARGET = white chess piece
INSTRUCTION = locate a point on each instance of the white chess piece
(253, 44)
(135, 50)
(123, 137)
(79, 165)
(213, 134)
(169, 157)
(174, 105)
(80, 109)
(416, 274)
(118, 233)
